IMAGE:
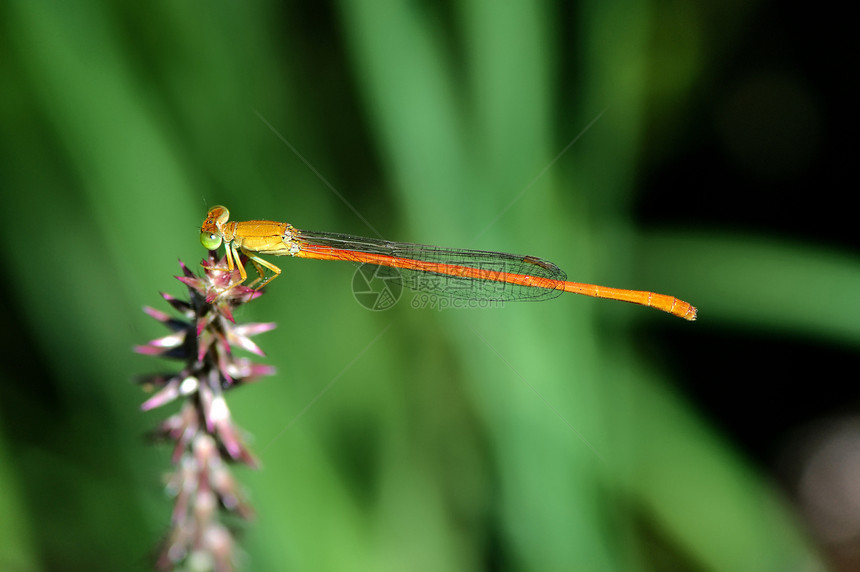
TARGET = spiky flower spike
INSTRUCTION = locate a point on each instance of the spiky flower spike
(206, 441)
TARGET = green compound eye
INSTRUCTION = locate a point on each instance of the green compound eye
(210, 241)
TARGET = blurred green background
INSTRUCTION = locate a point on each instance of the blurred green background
(693, 149)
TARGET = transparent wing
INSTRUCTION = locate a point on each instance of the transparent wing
(457, 273)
